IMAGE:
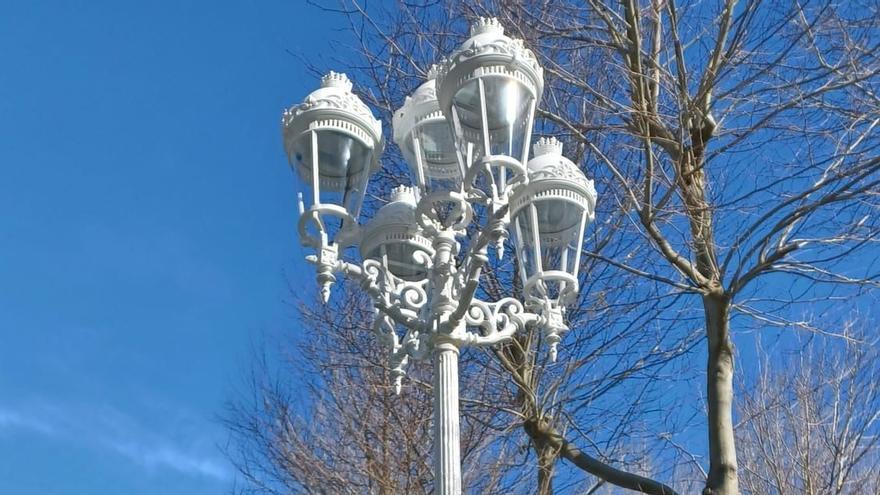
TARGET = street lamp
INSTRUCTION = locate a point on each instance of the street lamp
(465, 135)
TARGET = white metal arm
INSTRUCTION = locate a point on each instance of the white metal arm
(411, 305)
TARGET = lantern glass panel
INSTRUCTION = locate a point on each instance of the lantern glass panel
(398, 258)
(527, 255)
(508, 113)
(436, 142)
(558, 226)
(441, 172)
(343, 163)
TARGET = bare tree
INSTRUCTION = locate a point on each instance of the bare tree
(811, 424)
(736, 156)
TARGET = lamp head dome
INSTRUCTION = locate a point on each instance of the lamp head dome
(333, 143)
(425, 138)
(549, 167)
(488, 51)
(549, 215)
(332, 107)
(394, 236)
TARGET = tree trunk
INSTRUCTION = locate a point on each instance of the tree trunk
(546, 467)
(722, 478)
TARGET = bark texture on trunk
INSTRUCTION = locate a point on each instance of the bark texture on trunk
(546, 467)
(542, 433)
(722, 478)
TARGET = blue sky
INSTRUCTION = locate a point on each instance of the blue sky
(147, 226)
(148, 221)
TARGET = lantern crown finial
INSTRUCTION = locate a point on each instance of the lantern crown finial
(486, 25)
(403, 193)
(547, 146)
(336, 80)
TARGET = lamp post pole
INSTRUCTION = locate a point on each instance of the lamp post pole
(466, 134)
(447, 435)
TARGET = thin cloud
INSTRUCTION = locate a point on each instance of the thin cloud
(12, 420)
(108, 428)
(168, 457)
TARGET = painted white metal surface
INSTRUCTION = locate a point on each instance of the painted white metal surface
(423, 293)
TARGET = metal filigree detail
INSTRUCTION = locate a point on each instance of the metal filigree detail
(334, 94)
(564, 170)
(498, 321)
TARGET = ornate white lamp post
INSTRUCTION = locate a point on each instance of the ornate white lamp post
(465, 134)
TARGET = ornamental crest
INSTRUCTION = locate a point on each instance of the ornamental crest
(347, 102)
(564, 171)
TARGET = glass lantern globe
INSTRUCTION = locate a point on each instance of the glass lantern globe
(488, 90)
(393, 237)
(426, 142)
(549, 216)
(333, 143)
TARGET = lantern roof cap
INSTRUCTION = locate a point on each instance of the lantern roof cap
(488, 47)
(549, 164)
(484, 25)
(547, 146)
(336, 80)
(334, 105)
(433, 71)
(403, 194)
(416, 107)
(549, 170)
(400, 210)
(395, 222)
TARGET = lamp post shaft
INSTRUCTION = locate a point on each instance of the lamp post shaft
(447, 436)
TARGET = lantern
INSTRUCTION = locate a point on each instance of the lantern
(333, 143)
(489, 89)
(394, 238)
(426, 141)
(549, 216)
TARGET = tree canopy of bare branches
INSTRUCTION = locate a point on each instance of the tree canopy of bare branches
(811, 424)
